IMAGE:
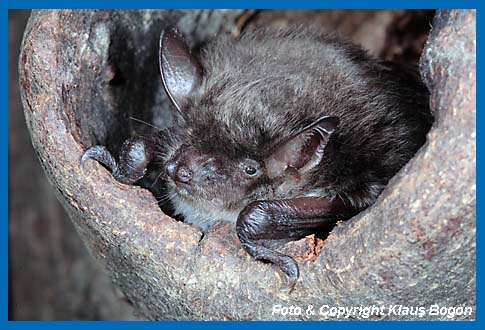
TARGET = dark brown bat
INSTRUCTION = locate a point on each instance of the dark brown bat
(280, 133)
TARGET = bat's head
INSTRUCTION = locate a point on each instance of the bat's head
(230, 147)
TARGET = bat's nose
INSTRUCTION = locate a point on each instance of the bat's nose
(190, 166)
(178, 171)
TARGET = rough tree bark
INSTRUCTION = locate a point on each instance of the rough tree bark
(52, 276)
(82, 75)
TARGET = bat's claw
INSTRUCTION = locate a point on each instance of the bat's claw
(253, 222)
(286, 263)
(135, 155)
(289, 266)
(102, 155)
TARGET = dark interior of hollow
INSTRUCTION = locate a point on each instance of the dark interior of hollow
(134, 101)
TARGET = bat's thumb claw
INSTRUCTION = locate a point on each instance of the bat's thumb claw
(289, 266)
(100, 154)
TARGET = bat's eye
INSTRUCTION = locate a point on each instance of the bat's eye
(251, 171)
(250, 168)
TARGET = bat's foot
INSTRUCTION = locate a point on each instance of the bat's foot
(289, 266)
(135, 155)
(263, 221)
(256, 224)
(286, 263)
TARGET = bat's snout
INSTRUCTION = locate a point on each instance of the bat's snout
(188, 165)
(178, 171)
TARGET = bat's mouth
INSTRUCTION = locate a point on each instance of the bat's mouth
(187, 193)
(184, 191)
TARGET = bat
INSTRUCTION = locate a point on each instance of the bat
(280, 133)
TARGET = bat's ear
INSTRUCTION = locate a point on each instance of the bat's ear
(181, 72)
(303, 150)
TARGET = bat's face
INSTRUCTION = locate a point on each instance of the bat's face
(213, 186)
(219, 160)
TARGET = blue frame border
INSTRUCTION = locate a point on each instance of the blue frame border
(260, 4)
